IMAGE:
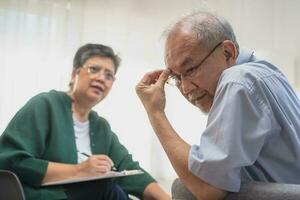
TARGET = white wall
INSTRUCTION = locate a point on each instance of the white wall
(39, 38)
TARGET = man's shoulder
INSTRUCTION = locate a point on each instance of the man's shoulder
(247, 73)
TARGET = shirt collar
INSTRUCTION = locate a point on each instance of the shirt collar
(245, 55)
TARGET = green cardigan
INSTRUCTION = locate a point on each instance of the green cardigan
(43, 131)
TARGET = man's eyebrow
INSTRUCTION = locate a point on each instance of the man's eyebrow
(173, 74)
(187, 61)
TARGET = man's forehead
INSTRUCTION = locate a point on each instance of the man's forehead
(180, 38)
(178, 50)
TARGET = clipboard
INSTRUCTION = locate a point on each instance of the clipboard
(111, 174)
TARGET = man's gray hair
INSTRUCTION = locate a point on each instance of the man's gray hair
(210, 29)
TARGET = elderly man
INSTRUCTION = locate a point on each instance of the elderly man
(253, 128)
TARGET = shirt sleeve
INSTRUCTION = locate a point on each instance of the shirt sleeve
(238, 126)
(23, 141)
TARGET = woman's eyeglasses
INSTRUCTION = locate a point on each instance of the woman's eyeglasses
(96, 70)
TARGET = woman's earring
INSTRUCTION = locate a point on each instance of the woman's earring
(71, 83)
(74, 83)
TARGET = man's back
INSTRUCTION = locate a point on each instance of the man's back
(278, 159)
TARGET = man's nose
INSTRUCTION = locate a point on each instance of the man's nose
(186, 86)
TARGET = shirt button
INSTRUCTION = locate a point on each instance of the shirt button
(93, 144)
(92, 133)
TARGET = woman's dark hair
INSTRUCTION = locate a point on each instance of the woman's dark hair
(90, 50)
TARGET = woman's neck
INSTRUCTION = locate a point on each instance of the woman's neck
(80, 109)
(81, 113)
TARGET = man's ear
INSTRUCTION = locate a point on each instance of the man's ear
(227, 55)
(230, 51)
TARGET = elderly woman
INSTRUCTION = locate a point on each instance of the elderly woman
(57, 136)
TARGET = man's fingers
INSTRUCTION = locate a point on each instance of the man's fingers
(163, 77)
(151, 77)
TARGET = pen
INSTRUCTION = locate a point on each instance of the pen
(87, 155)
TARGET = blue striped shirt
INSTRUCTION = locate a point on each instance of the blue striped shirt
(253, 128)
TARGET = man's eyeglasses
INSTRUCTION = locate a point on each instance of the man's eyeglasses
(96, 70)
(175, 80)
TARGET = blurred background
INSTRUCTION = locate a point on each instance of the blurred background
(38, 39)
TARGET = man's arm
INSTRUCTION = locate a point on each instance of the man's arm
(178, 152)
(151, 92)
(154, 192)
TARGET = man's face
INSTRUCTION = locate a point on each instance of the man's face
(197, 68)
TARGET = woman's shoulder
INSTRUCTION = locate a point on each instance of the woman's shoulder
(94, 117)
(51, 94)
(47, 98)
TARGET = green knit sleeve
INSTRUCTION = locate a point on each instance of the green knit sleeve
(123, 161)
(23, 142)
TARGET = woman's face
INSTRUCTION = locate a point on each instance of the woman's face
(94, 80)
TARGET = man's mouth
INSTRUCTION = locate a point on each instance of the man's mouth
(201, 97)
(195, 97)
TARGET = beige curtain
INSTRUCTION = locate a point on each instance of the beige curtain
(37, 38)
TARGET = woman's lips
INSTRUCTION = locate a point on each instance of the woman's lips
(98, 89)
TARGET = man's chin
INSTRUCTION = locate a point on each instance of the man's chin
(203, 108)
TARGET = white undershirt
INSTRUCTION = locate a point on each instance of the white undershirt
(82, 139)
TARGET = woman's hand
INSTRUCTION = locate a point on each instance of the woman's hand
(95, 165)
